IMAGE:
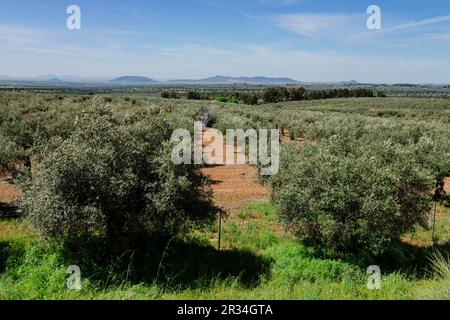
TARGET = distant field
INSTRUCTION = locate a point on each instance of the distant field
(214, 90)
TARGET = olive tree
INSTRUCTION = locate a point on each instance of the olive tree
(114, 181)
(351, 197)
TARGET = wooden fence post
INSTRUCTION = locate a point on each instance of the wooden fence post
(220, 228)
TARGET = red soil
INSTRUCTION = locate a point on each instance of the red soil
(9, 193)
(235, 186)
(285, 137)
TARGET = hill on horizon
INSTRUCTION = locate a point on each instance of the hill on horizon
(134, 79)
(236, 80)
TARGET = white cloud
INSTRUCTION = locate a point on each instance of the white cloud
(317, 25)
(16, 35)
(419, 23)
(281, 2)
(161, 49)
(18, 38)
(404, 26)
(438, 36)
(344, 26)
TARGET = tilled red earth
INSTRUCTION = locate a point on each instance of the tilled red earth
(235, 186)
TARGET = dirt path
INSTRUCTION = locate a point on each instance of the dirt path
(235, 186)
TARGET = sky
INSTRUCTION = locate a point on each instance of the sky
(307, 40)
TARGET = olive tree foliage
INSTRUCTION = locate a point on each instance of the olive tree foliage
(10, 153)
(352, 197)
(116, 181)
(16, 142)
(20, 134)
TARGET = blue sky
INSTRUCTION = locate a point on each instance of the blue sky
(308, 40)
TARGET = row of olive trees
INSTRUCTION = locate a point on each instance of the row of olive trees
(233, 97)
(276, 94)
(363, 178)
(360, 188)
(280, 94)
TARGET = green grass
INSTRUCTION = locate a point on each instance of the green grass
(259, 261)
(441, 273)
(422, 236)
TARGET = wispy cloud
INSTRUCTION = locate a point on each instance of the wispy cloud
(193, 49)
(16, 35)
(161, 49)
(404, 26)
(20, 38)
(438, 36)
(318, 25)
(280, 2)
(346, 26)
(419, 23)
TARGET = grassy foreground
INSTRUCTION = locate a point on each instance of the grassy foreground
(258, 261)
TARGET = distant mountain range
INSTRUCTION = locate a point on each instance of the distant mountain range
(211, 80)
(77, 81)
(237, 80)
(140, 80)
(52, 77)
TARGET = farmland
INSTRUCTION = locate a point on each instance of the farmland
(357, 182)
